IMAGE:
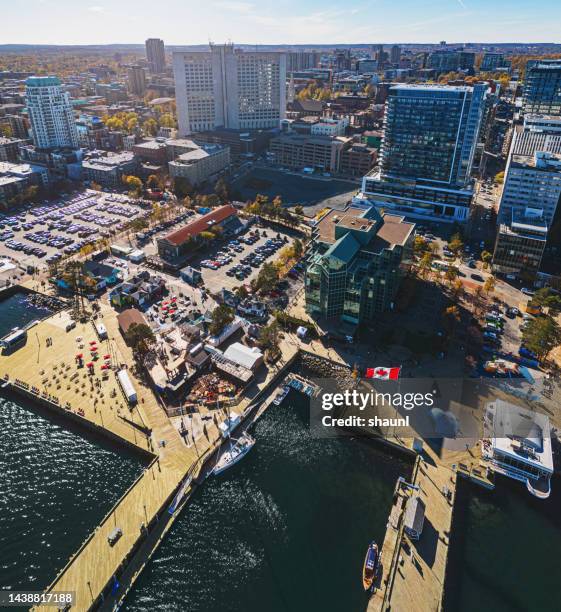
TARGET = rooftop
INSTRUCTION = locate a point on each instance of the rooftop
(521, 434)
(393, 231)
(206, 222)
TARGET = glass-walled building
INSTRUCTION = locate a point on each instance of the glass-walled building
(542, 87)
(356, 262)
(430, 137)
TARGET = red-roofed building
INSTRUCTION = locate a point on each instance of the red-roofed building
(177, 243)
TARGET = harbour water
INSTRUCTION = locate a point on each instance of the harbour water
(286, 529)
(505, 548)
(56, 485)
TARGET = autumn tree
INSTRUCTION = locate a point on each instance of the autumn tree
(150, 127)
(541, 335)
(221, 316)
(134, 185)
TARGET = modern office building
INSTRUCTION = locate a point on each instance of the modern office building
(229, 88)
(395, 54)
(430, 137)
(136, 76)
(542, 87)
(539, 133)
(155, 55)
(200, 163)
(301, 60)
(50, 113)
(355, 264)
(491, 62)
(532, 182)
(520, 244)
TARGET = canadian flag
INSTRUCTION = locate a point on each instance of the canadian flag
(383, 373)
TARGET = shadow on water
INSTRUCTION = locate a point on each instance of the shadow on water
(504, 549)
(284, 530)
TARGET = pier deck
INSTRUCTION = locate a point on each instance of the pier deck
(45, 369)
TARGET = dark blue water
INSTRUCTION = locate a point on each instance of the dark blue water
(55, 487)
(284, 530)
(504, 555)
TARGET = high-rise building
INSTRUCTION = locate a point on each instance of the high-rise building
(430, 138)
(531, 182)
(155, 55)
(50, 112)
(356, 259)
(136, 76)
(301, 60)
(395, 54)
(492, 61)
(229, 88)
(530, 197)
(542, 87)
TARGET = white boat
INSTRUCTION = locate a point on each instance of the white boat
(229, 424)
(237, 449)
(281, 395)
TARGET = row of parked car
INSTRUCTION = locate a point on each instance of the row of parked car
(256, 259)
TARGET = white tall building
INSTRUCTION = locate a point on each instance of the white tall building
(51, 115)
(229, 88)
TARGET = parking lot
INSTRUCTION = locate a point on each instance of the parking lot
(42, 233)
(239, 261)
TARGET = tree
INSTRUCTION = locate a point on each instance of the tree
(134, 185)
(541, 335)
(141, 338)
(222, 316)
(489, 285)
(221, 189)
(267, 278)
(486, 257)
(298, 248)
(167, 120)
(545, 298)
(154, 182)
(150, 127)
(269, 339)
(299, 211)
(182, 187)
(420, 246)
(241, 292)
(6, 130)
(500, 178)
(456, 244)
(451, 274)
(424, 265)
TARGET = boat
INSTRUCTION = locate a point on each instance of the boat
(281, 395)
(237, 450)
(229, 424)
(371, 564)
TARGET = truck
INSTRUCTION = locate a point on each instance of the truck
(127, 386)
(120, 251)
(101, 331)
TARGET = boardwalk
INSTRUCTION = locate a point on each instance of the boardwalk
(46, 369)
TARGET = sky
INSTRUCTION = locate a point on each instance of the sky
(186, 22)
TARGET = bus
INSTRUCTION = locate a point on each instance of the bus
(14, 339)
(442, 266)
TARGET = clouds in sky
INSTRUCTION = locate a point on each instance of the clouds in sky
(280, 21)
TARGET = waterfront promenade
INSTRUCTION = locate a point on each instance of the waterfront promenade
(45, 369)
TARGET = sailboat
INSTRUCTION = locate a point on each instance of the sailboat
(237, 450)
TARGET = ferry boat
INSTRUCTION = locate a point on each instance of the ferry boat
(281, 395)
(236, 451)
(517, 443)
(371, 565)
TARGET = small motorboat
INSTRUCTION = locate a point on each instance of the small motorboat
(371, 564)
(281, 395)
(237, 450)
